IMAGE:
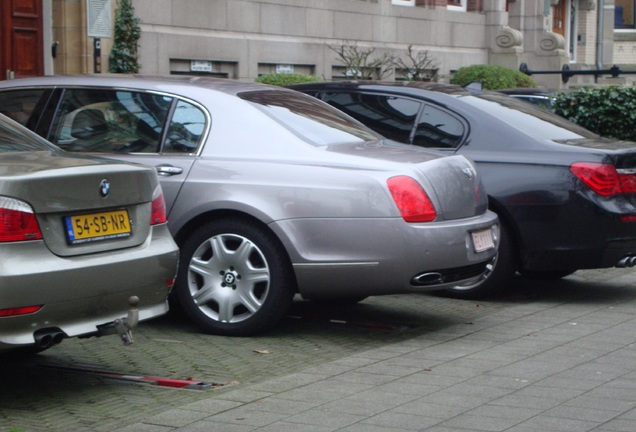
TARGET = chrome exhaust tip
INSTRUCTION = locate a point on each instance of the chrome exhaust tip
(46, 338)
(429, 278)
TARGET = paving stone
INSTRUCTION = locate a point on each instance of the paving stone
(555, 357)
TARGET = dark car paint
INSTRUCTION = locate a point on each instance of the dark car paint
(558, 223)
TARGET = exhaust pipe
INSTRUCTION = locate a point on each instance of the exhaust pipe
(628, 261)
(430, 278)
(46, 338)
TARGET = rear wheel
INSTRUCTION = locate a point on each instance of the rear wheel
(234, 278)
(498, 276)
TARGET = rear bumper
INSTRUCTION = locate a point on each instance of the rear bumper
(609, 254)
(80, 293)
(362, 257)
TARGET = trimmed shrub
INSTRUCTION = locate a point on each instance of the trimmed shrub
(492, 77)
(124, 56)
(286, 79)
(608, 111)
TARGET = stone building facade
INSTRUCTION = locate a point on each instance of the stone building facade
(243, 39)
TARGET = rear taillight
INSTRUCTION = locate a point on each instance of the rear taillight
(158, 215)
(17, 221)
(604, 179)
(412, 201)
(628, 179)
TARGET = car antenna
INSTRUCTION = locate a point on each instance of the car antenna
(474, 87)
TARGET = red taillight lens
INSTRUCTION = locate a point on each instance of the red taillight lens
(601, 178)
(17, 221)
(412, 201)
(158, 215)
(628, 180)
(604, 179)
(25, 310)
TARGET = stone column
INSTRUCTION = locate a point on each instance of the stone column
(505, 42)
(543, 49)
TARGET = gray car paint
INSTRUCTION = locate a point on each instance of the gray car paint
(84, 286)
(328, 204)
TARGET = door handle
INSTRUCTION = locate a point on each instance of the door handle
(168, 170)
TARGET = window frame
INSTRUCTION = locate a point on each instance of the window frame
(463, 6)
(628, 27)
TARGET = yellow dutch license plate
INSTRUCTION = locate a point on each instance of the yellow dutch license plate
(97, 226)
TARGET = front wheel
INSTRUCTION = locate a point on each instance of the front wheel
(499, 274)
(234, 278)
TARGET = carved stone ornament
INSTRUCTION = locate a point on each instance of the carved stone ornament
(551, 41)
(587, 5)
(509, 37)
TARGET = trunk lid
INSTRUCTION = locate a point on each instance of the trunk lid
(451, 181)
(111, 201)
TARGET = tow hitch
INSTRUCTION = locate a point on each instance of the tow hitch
(123, 326)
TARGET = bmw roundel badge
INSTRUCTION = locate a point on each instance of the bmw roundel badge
(104, 188)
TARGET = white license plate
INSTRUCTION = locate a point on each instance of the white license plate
(482, 240)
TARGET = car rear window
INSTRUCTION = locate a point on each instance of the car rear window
(14, 138)
(529, 119)
(314, 121)
(19, 104)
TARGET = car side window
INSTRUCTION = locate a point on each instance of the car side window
(18, 105)
(110, 121)
(186, 129)
(438, 128)
(392, 117)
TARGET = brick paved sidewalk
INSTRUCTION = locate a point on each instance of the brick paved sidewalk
(562, 360)
(545, 357)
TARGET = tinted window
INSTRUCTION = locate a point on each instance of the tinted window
(390, 116)
(528, 119)
(309, 118)
(437, 128)
(186, 129)
(13, 138)
(97, 120)
(18, 105)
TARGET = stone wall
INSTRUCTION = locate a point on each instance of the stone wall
(243, 39)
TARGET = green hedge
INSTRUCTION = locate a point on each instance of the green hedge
(492, 77)
(286, 79)
(608, 111)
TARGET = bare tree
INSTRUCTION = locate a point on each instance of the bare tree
(359, 62)
(418, 66)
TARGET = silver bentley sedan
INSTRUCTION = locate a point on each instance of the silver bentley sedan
(272, 193)
(84, 244)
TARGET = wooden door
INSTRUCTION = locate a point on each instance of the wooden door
(559, 18)
(21, 45)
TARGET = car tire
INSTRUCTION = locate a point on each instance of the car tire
(234, 278)
(499, 275)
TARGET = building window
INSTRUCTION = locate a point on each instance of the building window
(457, 5)
(403, 2)
(624, 13)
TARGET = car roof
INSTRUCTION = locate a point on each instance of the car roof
(159, 83)
(401, 86)
(526, 91)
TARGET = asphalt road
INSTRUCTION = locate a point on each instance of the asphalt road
(69, 387)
